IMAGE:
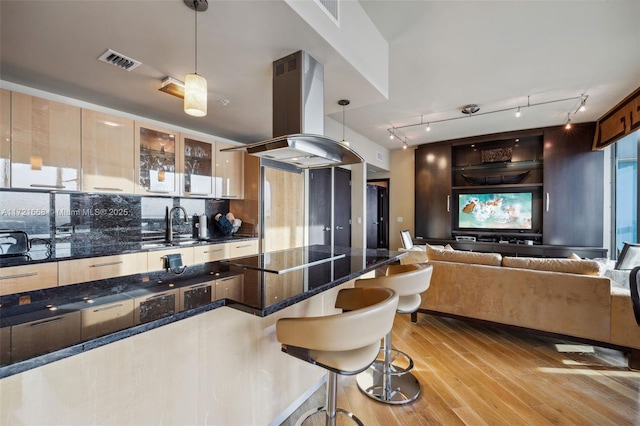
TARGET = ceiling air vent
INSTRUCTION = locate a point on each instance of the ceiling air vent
(331, 8)
(119, 60)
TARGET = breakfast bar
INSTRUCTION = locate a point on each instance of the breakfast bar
(221, 360)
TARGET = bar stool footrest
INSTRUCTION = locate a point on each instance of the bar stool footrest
(323, 410)
(396, 368)
(400, 389)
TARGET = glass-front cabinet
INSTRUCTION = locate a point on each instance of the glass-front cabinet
(198, 166)
(157, 165)
(45, 144)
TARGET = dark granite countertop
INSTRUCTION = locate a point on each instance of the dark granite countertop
(61, 249)
(263, 293)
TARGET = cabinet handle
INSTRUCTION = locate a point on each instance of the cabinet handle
(195, 287)
(106, 308)
(37, 185)
(198, 193)
(157, 296)
(158, 192)
(246, 245)
(106, 264)
(339, 227)
(547, 202)
(212, 251)
(38, 324)
(226, 279)
(105, 188)
(448, 203)
(230, 196)
(28, 274)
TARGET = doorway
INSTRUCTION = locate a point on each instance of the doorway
(378, 213)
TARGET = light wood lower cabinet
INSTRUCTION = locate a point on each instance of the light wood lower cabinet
(45, 335)
(19, 279)
(5, 345)
(107, 318)
(243, 248)
(156, 259)
(5, 138)
(231, 287)
(211, 253)
(98, 268)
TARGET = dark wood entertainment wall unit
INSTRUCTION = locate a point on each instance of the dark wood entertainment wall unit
(556, 166)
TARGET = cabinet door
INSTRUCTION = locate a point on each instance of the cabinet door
(230, 288)
(5, 345)
(156, 163)
(99, 268)
(196, 295)
(46, 335)
(433, 202)
(198, 159)
(45, 143)
(159, 305)
(100, 320)
(19, 279)
(5, 138)
(229, 173)
(107, 153)
(573, 196)
(211, 253)
(243, 248)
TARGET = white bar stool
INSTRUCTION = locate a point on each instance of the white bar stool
(345, 343)
(389, 379)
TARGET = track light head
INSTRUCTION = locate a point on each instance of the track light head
(568, 125)
(428, 128)
(518, 113)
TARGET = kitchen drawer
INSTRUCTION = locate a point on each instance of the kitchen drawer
(98, 268)
(18, 279)
(211, 253)
(107, 318)
(155, 306)
(196, 295)
(155, 259)
(45, 335)
(231, 287)
(5, 345)
(243, 248)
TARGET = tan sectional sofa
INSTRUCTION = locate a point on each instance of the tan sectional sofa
(568, 297)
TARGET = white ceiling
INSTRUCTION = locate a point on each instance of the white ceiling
(442, 55)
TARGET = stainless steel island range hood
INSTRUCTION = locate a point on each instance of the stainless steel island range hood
(298, 118)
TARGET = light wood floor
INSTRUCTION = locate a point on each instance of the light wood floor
(475, 375)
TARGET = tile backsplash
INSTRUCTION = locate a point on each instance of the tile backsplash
(84, 219)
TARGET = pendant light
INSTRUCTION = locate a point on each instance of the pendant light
(195, 86)
(343, 103)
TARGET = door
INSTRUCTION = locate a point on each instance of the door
(320, 206)
(372, 216)
(342, 207)
(377, 215)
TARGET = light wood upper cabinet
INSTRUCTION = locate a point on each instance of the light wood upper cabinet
(5, 138)
(107, 153)
(198, 160)
(157, 164)
(229, 173)
(45, 143)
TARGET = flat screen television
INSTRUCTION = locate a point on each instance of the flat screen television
(495, 211)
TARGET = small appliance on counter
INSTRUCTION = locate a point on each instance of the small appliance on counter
(200, 230)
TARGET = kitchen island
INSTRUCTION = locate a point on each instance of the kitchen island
(218, 365)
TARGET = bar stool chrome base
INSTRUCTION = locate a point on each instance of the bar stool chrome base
(387, 382)
(398, 390)
(328, 420)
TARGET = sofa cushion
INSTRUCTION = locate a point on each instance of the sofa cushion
(570, 266)
(449, 255)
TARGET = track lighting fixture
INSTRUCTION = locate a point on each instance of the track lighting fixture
(568, 125)
(404, 145)
(583, 104)
(472, 110)
(195, 85)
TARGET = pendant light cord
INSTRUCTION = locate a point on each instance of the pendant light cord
(195, 9)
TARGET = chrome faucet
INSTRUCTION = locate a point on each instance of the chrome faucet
(169, 218)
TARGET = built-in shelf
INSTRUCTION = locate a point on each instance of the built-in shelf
(500, 186)
(516, 165)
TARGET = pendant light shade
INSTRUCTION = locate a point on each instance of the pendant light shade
(195, 95)
(195, 85)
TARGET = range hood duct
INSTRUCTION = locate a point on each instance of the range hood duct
(298, 118)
